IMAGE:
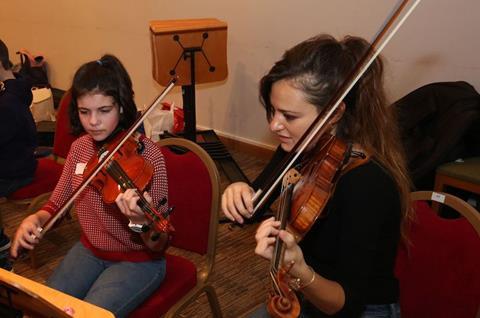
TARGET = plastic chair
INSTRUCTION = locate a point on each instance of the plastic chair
(439, 271)
(193, 189)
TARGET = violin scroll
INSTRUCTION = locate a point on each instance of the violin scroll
(284, 302)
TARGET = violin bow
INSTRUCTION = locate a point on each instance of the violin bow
(319, 126)
(48, 225)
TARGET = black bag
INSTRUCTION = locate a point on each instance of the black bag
(33, 68)
(439, 123)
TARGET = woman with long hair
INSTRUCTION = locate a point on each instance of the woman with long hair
(344, 264)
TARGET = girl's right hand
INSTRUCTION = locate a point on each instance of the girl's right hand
(237, 201)
(27, 235)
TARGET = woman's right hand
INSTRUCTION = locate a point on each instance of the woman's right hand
(28, 234)
(237, 201)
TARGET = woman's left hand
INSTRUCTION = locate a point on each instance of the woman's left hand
(266, 235)
(127, 202)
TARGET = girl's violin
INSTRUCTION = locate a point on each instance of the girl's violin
(127, 169)
(158, 220)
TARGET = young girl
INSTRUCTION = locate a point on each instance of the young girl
(344, 264)
(116, 265)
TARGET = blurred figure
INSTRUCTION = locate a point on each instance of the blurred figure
(18, 138)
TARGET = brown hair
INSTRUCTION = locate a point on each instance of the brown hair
(318, 67)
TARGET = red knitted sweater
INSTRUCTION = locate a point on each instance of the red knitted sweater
(104, 228)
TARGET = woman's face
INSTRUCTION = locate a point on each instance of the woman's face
(292, 114)
(99, 115)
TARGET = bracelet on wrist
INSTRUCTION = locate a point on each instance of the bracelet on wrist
(297, 284)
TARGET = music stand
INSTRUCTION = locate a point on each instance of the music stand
(19, 300)
(20, 295)
(194, 50)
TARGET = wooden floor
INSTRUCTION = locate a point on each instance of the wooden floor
(240, 277)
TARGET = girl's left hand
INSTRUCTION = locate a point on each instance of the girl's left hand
(127, 202)
(266, 235)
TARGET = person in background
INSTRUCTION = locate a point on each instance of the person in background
(18, 138)
(344, 265)
(119, 260)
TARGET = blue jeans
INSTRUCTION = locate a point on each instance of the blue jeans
(116, 286)
(382, 311)
(8, 186)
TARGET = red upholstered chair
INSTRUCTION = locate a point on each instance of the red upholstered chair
(63, 138)
(439, 272)
(44, 180)
(193, 189)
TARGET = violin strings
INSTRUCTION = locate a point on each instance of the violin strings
(276, 253)
(275, 286)
(117, 173)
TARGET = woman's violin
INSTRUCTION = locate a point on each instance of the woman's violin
(283, 301)
(314, 189)
(304, 200)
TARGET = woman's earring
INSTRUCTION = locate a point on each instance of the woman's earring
(121, 110)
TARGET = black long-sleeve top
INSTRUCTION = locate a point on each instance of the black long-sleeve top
(355, 242)
(18, 135)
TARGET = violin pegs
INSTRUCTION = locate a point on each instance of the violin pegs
(169, 210)
(162, 202)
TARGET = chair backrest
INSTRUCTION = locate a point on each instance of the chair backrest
(63, 138)
(439, 271)
(194, 191)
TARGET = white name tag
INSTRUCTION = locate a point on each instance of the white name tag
(80, 168)
(438, 197)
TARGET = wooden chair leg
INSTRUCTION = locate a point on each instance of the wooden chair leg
(213, 300)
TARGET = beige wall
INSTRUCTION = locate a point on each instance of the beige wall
(438, 42)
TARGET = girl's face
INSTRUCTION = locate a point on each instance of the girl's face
(99, 115)
(292, 114)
